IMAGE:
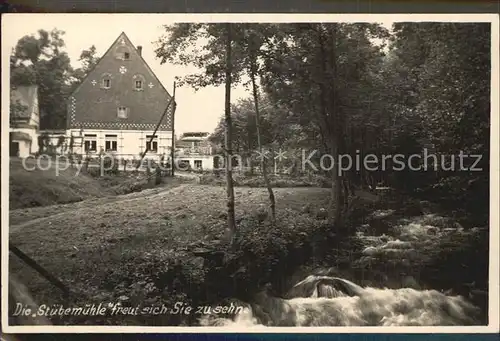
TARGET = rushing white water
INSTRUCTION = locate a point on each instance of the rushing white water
(337, 302)
(333, 301)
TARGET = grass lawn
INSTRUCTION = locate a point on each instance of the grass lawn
(107, 249)
(156, 246)
(32, 193)
(37, 187)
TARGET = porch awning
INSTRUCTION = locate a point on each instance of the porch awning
(19, 136)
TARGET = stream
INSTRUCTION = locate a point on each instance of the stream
(403, 270)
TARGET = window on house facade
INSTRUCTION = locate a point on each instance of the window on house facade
(138, 82)
(122, 52)
(90, 142)
(122, 112)
(111, 143)
(198, 164)
(152, 145)
(106, 83)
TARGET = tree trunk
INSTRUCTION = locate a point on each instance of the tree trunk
(338, 134)
(231, 224)
(328, 112)
(272, 200)
(250, 144)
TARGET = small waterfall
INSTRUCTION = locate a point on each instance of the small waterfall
(334, 301)
(324, 286)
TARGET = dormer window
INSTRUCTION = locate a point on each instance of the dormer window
(122, 112)
(106, 83)
(138, 85)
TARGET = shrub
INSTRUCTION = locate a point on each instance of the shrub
(94, 172)
(111, 164)
(240, 179)
(267, 253)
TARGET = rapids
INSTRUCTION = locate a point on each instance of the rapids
(412, 245)
(338, 302)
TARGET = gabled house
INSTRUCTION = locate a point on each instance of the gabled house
(118, 105)
(24, 121)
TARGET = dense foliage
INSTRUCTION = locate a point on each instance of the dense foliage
(335, 88)
(40, 60)
(420, 88)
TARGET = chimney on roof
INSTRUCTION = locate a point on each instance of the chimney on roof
(139, 49)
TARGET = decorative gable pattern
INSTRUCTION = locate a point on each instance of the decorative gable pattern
(121, 79)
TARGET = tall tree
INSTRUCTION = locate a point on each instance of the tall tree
(217, 66)
(88, 59)
(253, 42)
(39, 60)
(231, 224)
(322, 74)
(444, 71)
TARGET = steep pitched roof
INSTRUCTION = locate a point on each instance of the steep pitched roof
(91, 106)
(126, 38)
(25, 95)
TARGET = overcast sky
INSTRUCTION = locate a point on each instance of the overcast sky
(196, 111)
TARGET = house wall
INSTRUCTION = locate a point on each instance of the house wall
(130, 143)
(35, 115)
(30, 147)
(24, 148)
(207, 161)
(111, 85)
(53, 140)
(195, 150)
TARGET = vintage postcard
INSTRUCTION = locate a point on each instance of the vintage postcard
(221, 173)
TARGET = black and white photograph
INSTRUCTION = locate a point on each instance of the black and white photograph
(238, 172)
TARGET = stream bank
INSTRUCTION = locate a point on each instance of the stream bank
(397, 242)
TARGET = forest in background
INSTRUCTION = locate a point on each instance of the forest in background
(335, 88)
(355, 88)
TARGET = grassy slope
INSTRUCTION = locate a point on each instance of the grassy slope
(39, 189)
(98, 246)
(21, 215)
(45, 187)
(112, 246)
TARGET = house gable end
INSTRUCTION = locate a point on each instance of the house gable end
(121, 79)
(26, 96)
(92, 70)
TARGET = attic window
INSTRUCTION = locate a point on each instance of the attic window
(122, 112)
(138, 85)
(122, 52)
